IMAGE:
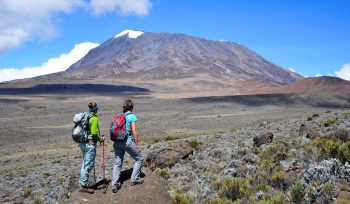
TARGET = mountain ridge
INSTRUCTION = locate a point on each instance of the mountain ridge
(174, 55)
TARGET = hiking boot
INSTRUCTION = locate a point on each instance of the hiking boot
(116, 187)
(85, 189)
(138, 181)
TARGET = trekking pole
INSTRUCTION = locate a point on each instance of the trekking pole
(104, 167)
(94, 174)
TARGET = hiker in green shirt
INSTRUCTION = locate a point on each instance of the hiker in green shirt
(89, 149)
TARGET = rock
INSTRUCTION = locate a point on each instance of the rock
(248, 143)
(234, 163)
(259, 195)
(250, 158)
(309, 131)
(305, 141)
(231, 172)
(342, 134)
(151, 191)
(169, 155)
(343, 197)
(263, 139)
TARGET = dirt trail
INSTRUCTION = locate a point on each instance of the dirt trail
(152, 191)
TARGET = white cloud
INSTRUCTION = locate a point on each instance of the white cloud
(344, 72)
(24, 20)
(53, 65)
(138, 7)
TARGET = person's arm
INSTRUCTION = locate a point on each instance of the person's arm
(94, 129)
(135, 134)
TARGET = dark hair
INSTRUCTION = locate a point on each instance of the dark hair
(128, 106)
(92, 104)
(93, 107)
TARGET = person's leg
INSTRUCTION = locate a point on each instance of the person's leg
(88, 164)
(118, 163)
(89, 155)
(136, 155)
(82, 180)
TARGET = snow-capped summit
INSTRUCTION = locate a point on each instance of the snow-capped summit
(131, 33)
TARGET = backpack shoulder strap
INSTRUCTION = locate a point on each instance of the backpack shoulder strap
(127, 113)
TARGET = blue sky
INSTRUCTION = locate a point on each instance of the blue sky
(311, 37)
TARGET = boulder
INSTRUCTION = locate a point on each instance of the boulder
(309, 131)
(170, 154)
(263, 139)
(231, 172)
(151, 191)
(251, 158)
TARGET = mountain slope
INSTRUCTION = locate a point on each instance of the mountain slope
(173, 56)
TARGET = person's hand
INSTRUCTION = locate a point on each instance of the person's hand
(138, 148)
(103, 138)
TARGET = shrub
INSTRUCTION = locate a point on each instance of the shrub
(164, 173)
(276, 199)
(331, 147)
(308, 148)
(172, 137)
(313, 116)
(274, 153)
(61, 179)
(194, 143)
(277, 178)
(235, 189)
(297, 192)
(218, 201)
(344, 153)
(330, 122)
(180, 198)
(27, 192)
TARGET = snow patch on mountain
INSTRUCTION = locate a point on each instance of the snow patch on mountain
(131, 34)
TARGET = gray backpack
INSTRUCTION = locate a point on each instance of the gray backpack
(80, 132)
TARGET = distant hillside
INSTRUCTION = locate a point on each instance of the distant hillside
(315, 84)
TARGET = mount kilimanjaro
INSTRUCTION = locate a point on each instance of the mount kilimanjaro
(135, 54)
(172, 62)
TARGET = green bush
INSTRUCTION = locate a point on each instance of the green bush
(164, 173)
(331, 147)
(330, 122)
(297, 192)
(180, 198)
(235, 189)
(61, 179)
(344, 153)
(308, 148)
(278, 178)
(313, 116)
(276, 199)
(28, 192)
(219, 201)
(274, 153)
(194, 143)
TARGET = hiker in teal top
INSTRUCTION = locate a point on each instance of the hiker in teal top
(89, 149)
(131, 146)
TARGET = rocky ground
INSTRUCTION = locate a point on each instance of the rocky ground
(297, 160)
(268, 147)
